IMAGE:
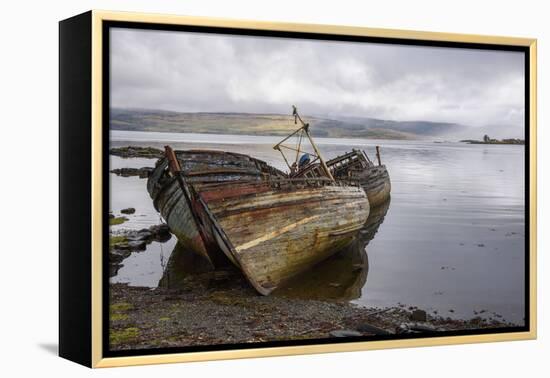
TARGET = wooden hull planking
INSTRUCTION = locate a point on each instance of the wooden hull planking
(376, 182)
(179, 218)
(276, 234)
(355, 166)
(201, 166)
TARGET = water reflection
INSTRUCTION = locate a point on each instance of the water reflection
(183, 264)
(340, 277)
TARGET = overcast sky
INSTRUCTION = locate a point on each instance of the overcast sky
(193, 72)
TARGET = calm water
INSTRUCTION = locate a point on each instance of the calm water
(451, 239)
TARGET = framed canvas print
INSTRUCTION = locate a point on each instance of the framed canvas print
(235, 189)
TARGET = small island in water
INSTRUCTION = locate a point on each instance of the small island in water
(488, 140)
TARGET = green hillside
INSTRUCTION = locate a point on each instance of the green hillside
(273, 124)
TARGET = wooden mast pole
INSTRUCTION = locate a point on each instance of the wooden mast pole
(284, 157)
(278, 148)
(305, 127)
(378, 155)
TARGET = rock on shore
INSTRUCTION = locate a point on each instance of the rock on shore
(134, 151)
(125, 242)
(142, 172)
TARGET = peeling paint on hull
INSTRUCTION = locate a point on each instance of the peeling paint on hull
(303, 226)
(202, 166)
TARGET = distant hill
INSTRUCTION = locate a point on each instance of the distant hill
(276, 124)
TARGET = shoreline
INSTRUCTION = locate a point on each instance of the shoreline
(220, 308)
(513, 142)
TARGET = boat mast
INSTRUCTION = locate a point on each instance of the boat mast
(305, 127)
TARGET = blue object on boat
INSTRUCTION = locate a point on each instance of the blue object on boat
(304, 160)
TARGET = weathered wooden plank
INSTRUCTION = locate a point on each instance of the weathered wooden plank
(272, 245)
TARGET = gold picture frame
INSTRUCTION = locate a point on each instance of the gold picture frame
(96, 20)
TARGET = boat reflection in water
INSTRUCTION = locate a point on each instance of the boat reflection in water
(340, 277)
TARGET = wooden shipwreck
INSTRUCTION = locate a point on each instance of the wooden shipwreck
(272, 225)
(231, 207)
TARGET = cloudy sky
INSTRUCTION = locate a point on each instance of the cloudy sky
(193, 72)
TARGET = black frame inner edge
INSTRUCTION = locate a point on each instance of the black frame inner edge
(107, 25)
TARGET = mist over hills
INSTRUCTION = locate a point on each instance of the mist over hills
(283, 124)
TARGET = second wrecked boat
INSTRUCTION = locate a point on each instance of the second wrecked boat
(356, 166)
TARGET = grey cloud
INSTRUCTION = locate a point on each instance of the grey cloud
(211, 73)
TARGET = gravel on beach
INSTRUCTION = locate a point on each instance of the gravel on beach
(213, 308)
